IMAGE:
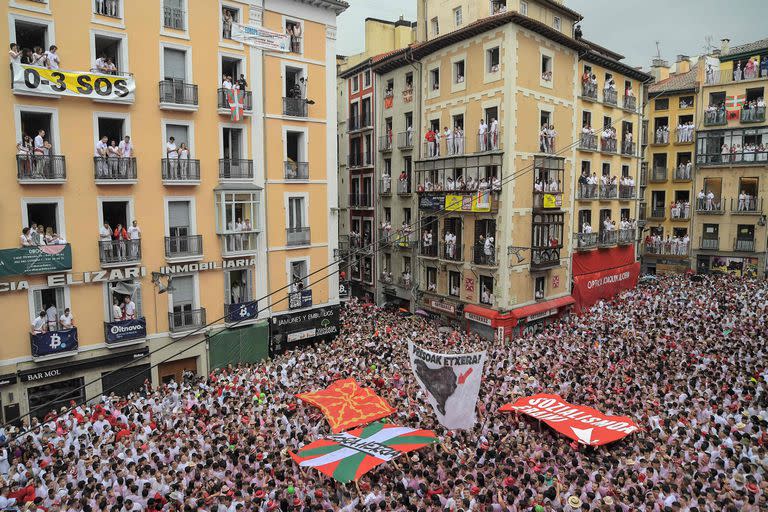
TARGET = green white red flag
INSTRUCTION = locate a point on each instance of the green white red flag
(348, 456)
(736, 102)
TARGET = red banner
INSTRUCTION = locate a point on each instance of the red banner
(582, 424)
(345, 404)
(590, 288)
(597, 261)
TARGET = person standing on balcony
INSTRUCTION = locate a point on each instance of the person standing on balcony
(183, 160)
(226, 82)
(489, 249)
(125, 150)
(52, 318)
(172, 155)
(52, 58)
(66, 320)
(134, 235)
(494, 134)
(14, 54)
(430, 138)
(129, 307)
(101, 64)
(482, 133)
(458, 137)
(710, 200)
(40, 324)
(113, 158)
(121, 235)
(226, 24)
(242, 83)
(117, 311)
(448, 136)
(100, 153)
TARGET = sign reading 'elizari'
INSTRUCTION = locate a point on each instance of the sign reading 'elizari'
(53, 82)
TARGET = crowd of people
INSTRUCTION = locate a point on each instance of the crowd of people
(120, 243)
(685, 131)
(36, 56)
(682, 358)
(459, 183)
(38, 235)
(49, 320)
(113, 160)
(749, 152)
(611, 187)
(680, 209)
(672, 245)
(34, 158)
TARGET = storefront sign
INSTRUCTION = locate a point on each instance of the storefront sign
(36, 374)
(52, 343)
(543, 314)
(442, 306)
(477, 318)
(477, 203)
(297, 329)
(260, 37)
(8, 379)
(242, 312)
(125, 330)
(98, 276)
(55, 82)
(300, 299)
(431, 201)
(191, 268)
(35, 260)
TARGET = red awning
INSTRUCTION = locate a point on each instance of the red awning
(541, 307)
(480, 311)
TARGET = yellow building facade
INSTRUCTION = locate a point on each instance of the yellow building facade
(229, 211)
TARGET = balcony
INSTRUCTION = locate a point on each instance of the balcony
(490, 141)
(235, 169)
(682, 174)
(709, 244)
(715, 118)
(547, 200)
(753, 115)
(626, 192)
(627, 236)
(743, 157)
(404, 240)
(357, 160)
(607, 238)
(680, 212)
(444, 148)
(403, 187)
(184, 247)
(295, 46)
(670, 247)
(727, 76)
(295, 107)
(223, 103)
(385, 143)
(297, 236)
(296, 170)
(744, 245)
(361, 244)
(545, 257)
(628, 148)
(360, 201)
(484, 258)
(608, 192)
(123, 331)
(610, 97)
(114, 170)
(54, 343)
(180, 171)
(173, 18)
(237, 313)
(684, 136)
(710, 206)
(386, 278)
(658, 175)
(41, 169)
(385, 186)
(405, 281)
(661, 137)
(451, 252)
(747, 205)
(585, 241)
(589, 91)
(657, 214)
(586, 192)
(185, 321)
(608, 145)
(405, 140)
(644, 176)
(428, 251)
(630, 103)
(588, 142)
(239, 244)
(177, 95)
(119, 253)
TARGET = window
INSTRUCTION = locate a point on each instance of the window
(539, 285)
(111, 9)
(625, 171)
(431, 279)
(409, 80)
(355, 83)
(454, 283)
(492, 60)
(367, 78)
(179, 219)
(237, 212)
(458, 72)
(686, 101)
(295, 154)
(116, 293)
(39, 123)
(174, 15)
(298, 275)
(662, 103)
(435, 26)
(238, 287)
(486, 290)
(557, 23)
(174, 64)
(180, 134)
(183, 299)
(31, 35)
(47, 216)
(585, 219)
(434, 79)
(296, 218)
(229, 15)
(524, 8)
(116, 213)
(546, 68)
(457, 18)
(294, 30)
(586, 118)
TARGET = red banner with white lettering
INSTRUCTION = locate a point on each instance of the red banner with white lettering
(584, 425)
(597, 261)
(590, 288)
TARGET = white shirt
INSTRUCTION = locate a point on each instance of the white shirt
(38, 141)
(126, 148)
(38, 324)
(117, 313)
(100, 149)
(104, 234)
(66, 321)
(53, 60)
(50, 314)
(134, 233)
(130, 309)
(172, 150)
(226, 84)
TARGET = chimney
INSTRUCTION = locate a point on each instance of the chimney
(725, 45)
(660, 69)
(683, 64)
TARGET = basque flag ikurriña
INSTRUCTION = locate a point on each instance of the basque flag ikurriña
(235, 99)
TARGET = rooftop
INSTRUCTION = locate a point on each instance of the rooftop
(676, 82)
(747, 49)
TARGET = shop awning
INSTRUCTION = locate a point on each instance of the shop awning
(541, 307)
(474, 309)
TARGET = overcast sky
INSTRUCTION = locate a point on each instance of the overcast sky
(680, 26)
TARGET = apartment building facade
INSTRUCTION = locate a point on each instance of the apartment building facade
(229, 208)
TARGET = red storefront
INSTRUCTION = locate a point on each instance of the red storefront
(490, 323)
(603, 274)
